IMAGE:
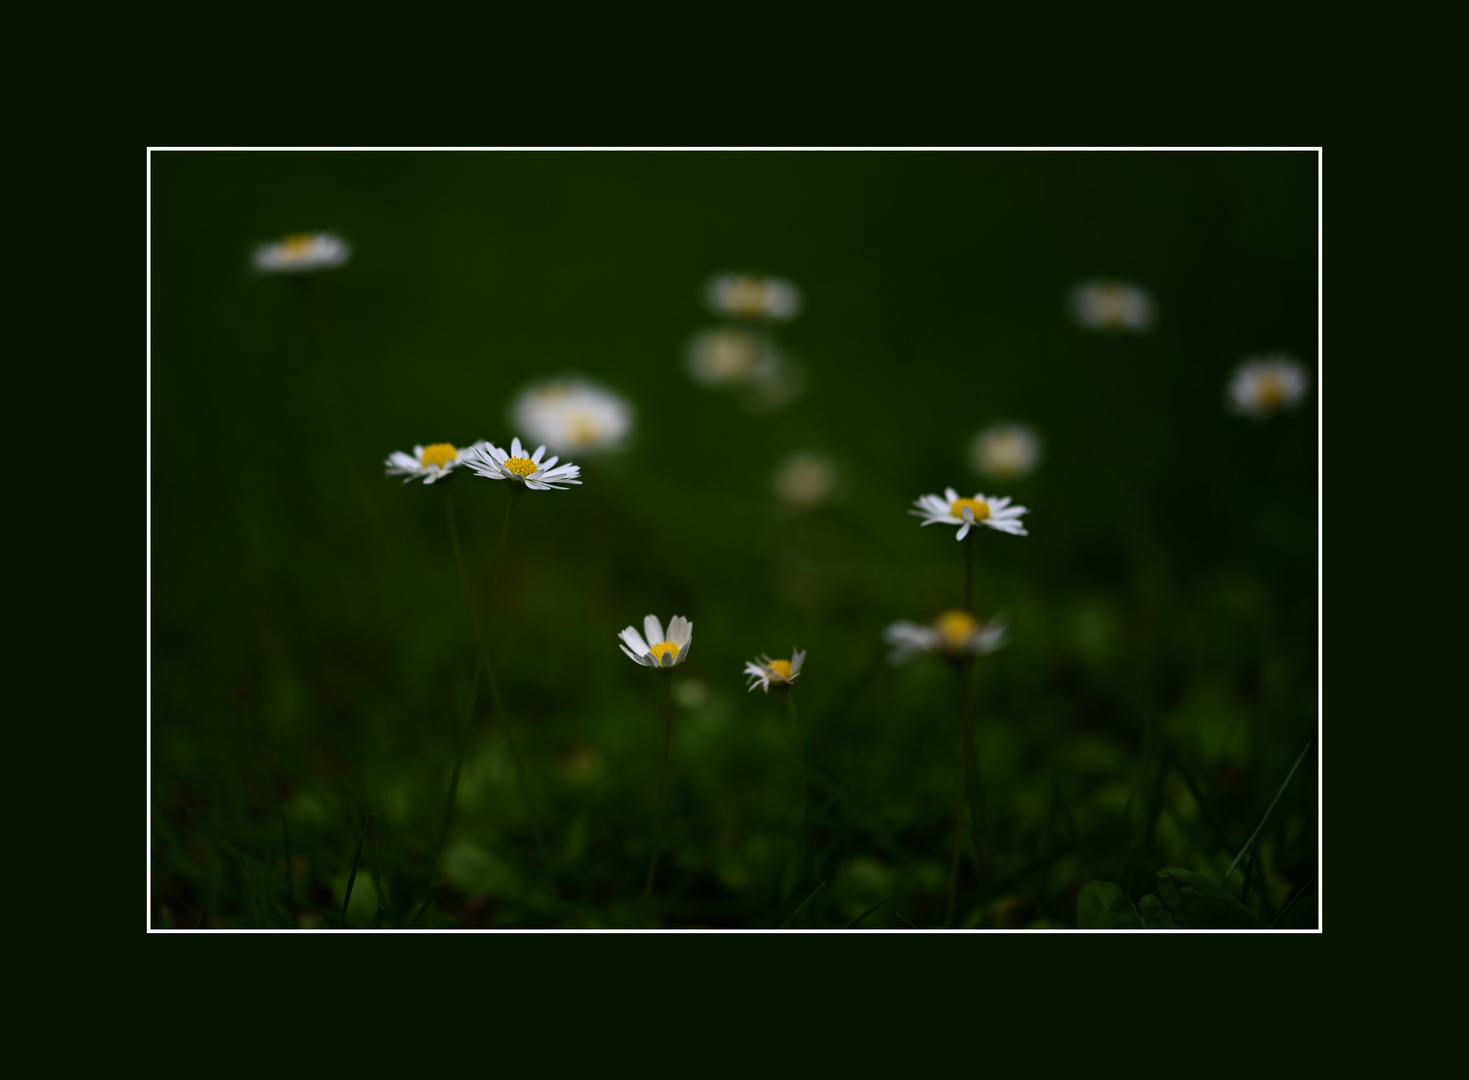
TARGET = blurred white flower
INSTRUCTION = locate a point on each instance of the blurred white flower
(1005, 451)
(658, 651)
(489, 460)
(1264, 384)
(1112, 305)
(970, 513)
(571, 413)
(730, 356)
(745, 296)
(804, 480)
(301, 253)
(953, 634)
(429, 463)
(774, 385)
(765, 671)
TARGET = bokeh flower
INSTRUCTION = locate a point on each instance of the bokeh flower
(1263, 385)
(572, 413)
(764, 671)
(428, 463)
(1005, 451)
(658, 651)
(990, 512)
(954, 635)
(747, 296)
(1112, 305)
(488, 460)
(301, 253)
(730, 356)
(804, 481)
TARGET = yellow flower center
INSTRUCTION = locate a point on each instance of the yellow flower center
(747, 297)
(440, 454)
(520, 466)
(956, 627)
(1270, 391)
(582, 430)
(981, 509)
(295, 246)
(662, 649)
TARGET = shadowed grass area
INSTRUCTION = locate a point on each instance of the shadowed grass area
(320, 725)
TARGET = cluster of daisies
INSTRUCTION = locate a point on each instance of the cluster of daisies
(439, 460)
(743, 353)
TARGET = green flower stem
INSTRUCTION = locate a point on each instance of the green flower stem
(662, 786)
(790, 697)
(484, 659)
(969, 571)
(965, 669)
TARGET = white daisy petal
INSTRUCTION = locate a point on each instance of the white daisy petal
(653, 629)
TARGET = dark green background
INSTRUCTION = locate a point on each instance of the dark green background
(311, 649)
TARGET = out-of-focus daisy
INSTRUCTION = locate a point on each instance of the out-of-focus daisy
(572, 413)
(746, 296)
(804, 481)
(658, 651)
(1005, 451)
(487, 459)
(1112, 305)
(428, 463)
(1263, 385)
(968, 513)
(954, 634)
(301, 253)
(765, 671)
(774, 385)
(730, 356)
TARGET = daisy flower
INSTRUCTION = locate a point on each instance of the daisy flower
(804, 481)
(765, 671)
(1112, 305)
(663, 652)
(746, 296)
(954, 634)
(1005, 451)
(487, 459)
(969, 513)
(571, 413)
(301, 253)
(1264, 384)
(730, 356)
(428, 463)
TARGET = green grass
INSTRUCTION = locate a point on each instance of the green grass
(317, 701)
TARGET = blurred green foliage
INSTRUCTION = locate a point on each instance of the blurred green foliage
(312, 656)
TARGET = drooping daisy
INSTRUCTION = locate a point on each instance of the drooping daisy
(1263, 385)
(968, 513)
(489, 460)
(804, 481)
(429, 463)
(954, 634)
(658, 651)
(730, 356)
(1112, 305)
(301, 253)
(765, 671)
(1005, 451)
(571, 413)
(746, 296)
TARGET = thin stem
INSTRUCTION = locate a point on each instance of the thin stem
(484, 661)
(969, 572)
(966, 671)
(790, 697)
(662, 790)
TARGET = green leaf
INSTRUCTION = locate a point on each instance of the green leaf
(1102, 905)
(1155, 915)
(1195, 902)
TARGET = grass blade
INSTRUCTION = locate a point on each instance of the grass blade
(905, 922)
(352, 878)
(869, 911)
(1286, 910)
(1271, 807)
(429, 899)
(802, 906)
(290, 876)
